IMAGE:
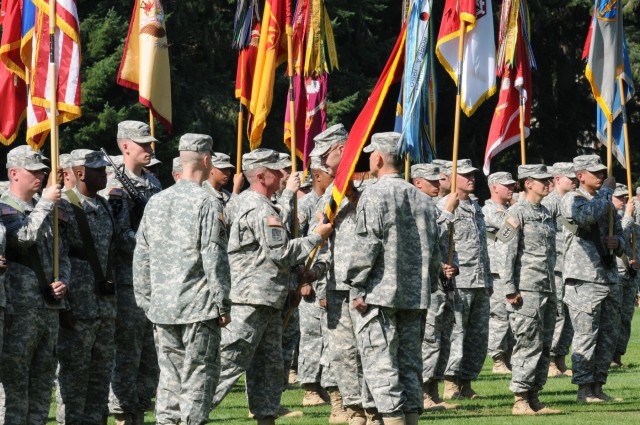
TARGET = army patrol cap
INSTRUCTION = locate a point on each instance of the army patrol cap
(429, 172)
(154, 161)
(306, 181)
(65, 160)
(88, 158)
(621, 190)
(445, 166)
(260, 158)
(221, 160)
(25, 157)
(192, 142)
(331, 136)
(501, 177)
(464, 167)
(176, 164)
(563, 169)
(383, 142)
(285, 159)
(590, 163)
(137, 131)
(534, 171)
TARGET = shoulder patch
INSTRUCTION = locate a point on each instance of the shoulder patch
(508, 229)
(116, 191)
(274, 221)
(8, 211)
(513, 221)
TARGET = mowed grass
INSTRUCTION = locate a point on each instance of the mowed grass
(494, 409)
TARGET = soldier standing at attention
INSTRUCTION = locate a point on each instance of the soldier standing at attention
(527, 239)
(135, 371)
(34, 294)
(85, 351)
(592, 287)
(500, 344)
(260, 254)
(176, 169)
(390, 287)
(182, 284)
(565, 181)
(66, 163)
(219, 177)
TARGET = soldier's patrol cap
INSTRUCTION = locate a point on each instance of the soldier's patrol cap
(621, 190)
(154, 161)
(193, 142)
(221, 160)
(65, 160)
(306, 181)
(176, 164)
(331, 136)
(285, 159)
(316, 164)
(590, 163)
(501, 177)
(25, 157)
(260, 158)
(534, 171)
(429, 172)
(445, 166)
(88, 158)
(383, 142)
(137, 131)
(563, 169)
(464, 167)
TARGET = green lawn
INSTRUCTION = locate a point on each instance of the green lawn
(494, 409)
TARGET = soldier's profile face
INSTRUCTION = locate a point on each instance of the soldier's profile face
(466, 182)
(445, 181)
(28, 180)
(95, 178)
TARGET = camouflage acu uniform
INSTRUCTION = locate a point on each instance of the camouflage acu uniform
(592, 289)
(85, 352)
(135, 372)
(28, 361)
(394, 224)
(528, 242)
(469, 336)
(182, 283)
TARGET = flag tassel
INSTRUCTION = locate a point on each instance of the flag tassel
(625, 132)
(54, 131)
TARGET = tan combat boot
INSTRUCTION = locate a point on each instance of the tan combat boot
(429, 404)
(616, 363)
(586, 395)
(395, 420)
(411, 418)
(312, 395)
(554, 371)
(373, 417)
(293, 377)
(338, 413)
(267, 421)
(451, 388)
(123, 418)
(467, 392)
(562, 366)
(283, 412)
(356, 416)
(538, 407)
(499, 366)
(435, 396)
(597, 391)
(521, 405)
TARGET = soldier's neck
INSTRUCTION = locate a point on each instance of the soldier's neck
(134, 168)
(498, 200)
(215, 184)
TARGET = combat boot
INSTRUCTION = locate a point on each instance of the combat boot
(356, 416)
(553, 371)
(538, 407)
(586, 395)
(597, 391)
(429, 403)
(373, 417)
(283, 412)
(395, 420)
(500, 367)
(293, 377)
(451, 388)
(411, 418)
(616, 363)
(562, 366)
(521, 405)
(267, 421)
(123, 418)
(338, 413)
(467, 392)
(312, 395)
(435, 396)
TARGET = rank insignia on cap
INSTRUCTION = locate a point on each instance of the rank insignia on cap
(274, 220)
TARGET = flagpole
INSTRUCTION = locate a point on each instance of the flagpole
(292, 111)
(625, 132)
(53, 79)
(609, 174)
(153, 130)
(239, 139)
(523, 148)
(407, 167)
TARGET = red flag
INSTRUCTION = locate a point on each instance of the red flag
(246, 67)
(359, 133)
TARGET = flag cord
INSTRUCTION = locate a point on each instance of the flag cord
(625, 132)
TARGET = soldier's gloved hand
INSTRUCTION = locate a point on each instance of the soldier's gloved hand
(449, 270)
(58, 289)
(56, 178)
(360, 306)
(324, 230)
(609, 182)
(630, 208)
(634, 264)
(307, 276)
(611, 242)
(452, 202)
(224, 320)
(238, 183)
(293, 184)
(53, 193)
(306, 290)
(514, 299)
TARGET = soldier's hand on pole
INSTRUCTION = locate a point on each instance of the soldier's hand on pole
(324, 230)
(514, 299)
(224, 320)
(323, 303)
(58, 289)
(452, 202)
(634, 264)
(293, 184)
(449, 270)
(630, 208)
(238, 183)
(56, 178)
(306, 290)
(53, 193)
(611, 242)
(360, 306)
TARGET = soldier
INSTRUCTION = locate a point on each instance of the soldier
(592, 289)
(565, 181)
(85, 351)
(34, 294)
(182, 283)
(628, 267)
(176, 169)
(445, 178)
(527, 241)
(440, 315)
(69, 177)
(260, 253)
(135, 372)
(500, 344)
(390, 291)
(153, 166)
(219, 177)
(474, 285)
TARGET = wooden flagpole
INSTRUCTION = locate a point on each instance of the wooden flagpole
(153, 130)
(239, 139)
(625, 132)
(609, 174)
(523, 148)
(292, 111)
(53, 111)
(407, 157)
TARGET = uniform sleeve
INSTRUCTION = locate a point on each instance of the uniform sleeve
(484, 251)
(64, 264)
(584, 212)
(279, 248)
(25, 230)
(141, 269)
(508, 237)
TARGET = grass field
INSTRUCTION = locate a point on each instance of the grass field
(494, 409)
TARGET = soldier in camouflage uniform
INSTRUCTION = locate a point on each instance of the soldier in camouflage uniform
(34, 294)
(182, 283)
(85, 352)
(389, 288)
(445, 178)
(440, 316)
(500, 344)
(220, 174)
(176, 168)
(260, 253)
(135, 372)
(565, 181)
(469, 336)
(592, 288)
(628, 267)
(527, 239)
(67, 171)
